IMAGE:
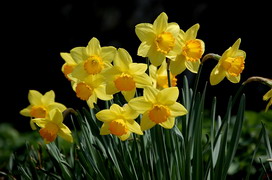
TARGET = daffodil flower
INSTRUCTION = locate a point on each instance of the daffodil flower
(69, 65)
(52, 126)
(125, 76)
(230, 65)
(92, 59)
(158, 40)
(191, 52)
(89, 87)
(40, 105)
(158, 107)
(266, 97)
(119, 121)
(159, 76)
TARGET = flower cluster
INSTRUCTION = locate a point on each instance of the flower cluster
(99, 73)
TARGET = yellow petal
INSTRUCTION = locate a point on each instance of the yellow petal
(125, 136)
(68, 58)
(93, 47)
(178, 66)
(233, 79)
(145, 32)
(150, 94)
(192, 66)
(169, 123)
(191, 33)
(56, 116)
(48, 98)
(137, 68)
(106, 115)
(144, 49)
(140, 105)
(168, 96)
(134, 127)
(146, 123)
(41, 122)
(217, 75)
(26, 111)
(177, 109)
(100, 91)
(122, 59)
(65, 133)
(173, 28)
(156, 58)
(108, 53)
(56, 105)
(111, 88)
(129, 113)
(142, 80)
(128, 95)
(77, 54)
(34, 97)
(104, 130)
(92, 100)
(161, 22)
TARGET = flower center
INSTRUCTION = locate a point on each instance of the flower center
(118, 127)
(125, 82)
(165, 42)
(93, 65)
(163, 81)
(159, 113)
(234, 65)
(38, 112)
(83, 91)
(67, 69)
(49, 132)
(193, 50)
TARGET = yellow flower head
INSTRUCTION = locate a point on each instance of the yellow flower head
(159, 76)
(125, 76)
(89, 87)
(119, 121)
(191, 52)
(230, 65)
(92, 59)
(52, 126)
(266, 97)
(158, 107)
(40, 105)
(158, 40)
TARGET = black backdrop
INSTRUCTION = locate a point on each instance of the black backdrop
(35, 32)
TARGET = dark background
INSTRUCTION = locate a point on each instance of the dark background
(35, 32)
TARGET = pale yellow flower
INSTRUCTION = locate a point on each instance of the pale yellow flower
(52, 126)
(69, 65)
(158, 40)
(191, 52)
(119, 121)
(266, 97)
(230, 65)
(125, 76)
(159, 76)
(158, 107)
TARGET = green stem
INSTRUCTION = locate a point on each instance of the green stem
(168, 72)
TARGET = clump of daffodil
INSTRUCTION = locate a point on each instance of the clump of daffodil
(52, 126)
(268, 97)
(158, 107)
(89, 87)
(230, 65)
(119, 121)
(191, 52)
(159, 76)
(92, 59)
(40, 105)
(125, 76)
(158, 40)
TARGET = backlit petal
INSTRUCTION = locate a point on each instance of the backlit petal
(145, 32)
(217, 75)
(34, 97)
(168, 96)
(140, 104)
(160, 23)
(177, 109)
(134, 127)
(146, 123)
(169, 123)
(93, 47)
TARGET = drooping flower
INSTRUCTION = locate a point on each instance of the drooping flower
(266, 97)
(92, 59)
(159, 76)
(119, 121)
(125, 76)
(40, 105)
(89, 87)
(158, 40)
(230, 65)
(158, 107)
(52, 126)
(191, 52)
